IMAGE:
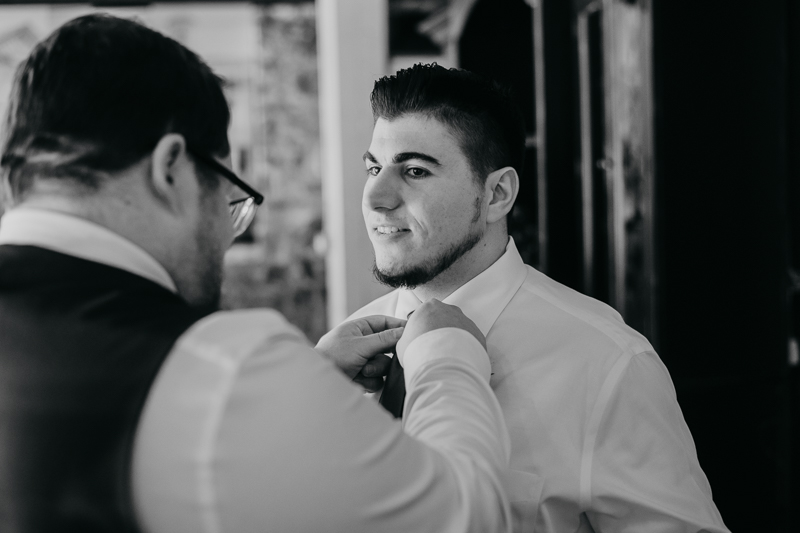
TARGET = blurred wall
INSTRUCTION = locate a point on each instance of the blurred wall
(279, 262)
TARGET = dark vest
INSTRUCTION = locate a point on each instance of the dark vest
(80, 346)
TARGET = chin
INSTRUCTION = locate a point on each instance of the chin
(393, 268)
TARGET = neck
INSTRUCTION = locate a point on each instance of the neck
(483, 255)
(116, 215)
(118, 208)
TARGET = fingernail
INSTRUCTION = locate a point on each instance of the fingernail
(368, 370)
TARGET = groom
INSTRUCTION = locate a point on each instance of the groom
(598, 441)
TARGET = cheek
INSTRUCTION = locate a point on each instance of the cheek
(364, 211)
(219, 214)
(447, 218)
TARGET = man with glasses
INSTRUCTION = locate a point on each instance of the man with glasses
(128, 402)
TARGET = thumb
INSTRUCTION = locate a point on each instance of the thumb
(381, 342)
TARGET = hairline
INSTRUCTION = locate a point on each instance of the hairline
(479, 172)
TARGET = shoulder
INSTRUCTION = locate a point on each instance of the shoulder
(233, 335)
(547, 304)
(385, 305)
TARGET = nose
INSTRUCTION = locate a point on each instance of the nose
(382, 192)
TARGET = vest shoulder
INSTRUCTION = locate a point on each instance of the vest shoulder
(105, 333)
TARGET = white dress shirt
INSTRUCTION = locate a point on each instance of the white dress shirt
(598, 441)
(248, 429)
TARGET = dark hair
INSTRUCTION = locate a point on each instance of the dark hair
(99, 93)
(480, 112)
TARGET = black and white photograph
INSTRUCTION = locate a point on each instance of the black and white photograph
(402, 266)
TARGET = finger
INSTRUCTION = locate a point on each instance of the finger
(378, 323)
(369, 384)
(377, 366)
(378, 343)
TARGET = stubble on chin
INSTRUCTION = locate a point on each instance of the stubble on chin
(208, 269)
(211, 289)
(414, 276)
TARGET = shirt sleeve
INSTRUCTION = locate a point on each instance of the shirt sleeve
(644, 472)
(247, 428)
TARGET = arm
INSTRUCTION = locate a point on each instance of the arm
(261, 433)
(644, 473)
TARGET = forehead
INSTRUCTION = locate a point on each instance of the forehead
(415, 133)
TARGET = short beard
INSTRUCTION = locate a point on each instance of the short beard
(426, 272)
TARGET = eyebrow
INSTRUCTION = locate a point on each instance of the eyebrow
(405, 156)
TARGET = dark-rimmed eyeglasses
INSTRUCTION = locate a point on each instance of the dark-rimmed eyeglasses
(242, 210)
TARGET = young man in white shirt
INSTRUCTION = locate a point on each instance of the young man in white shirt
(598, 441)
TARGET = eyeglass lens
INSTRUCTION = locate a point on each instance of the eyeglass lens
(242, 214)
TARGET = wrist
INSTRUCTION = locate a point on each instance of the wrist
(445, 343)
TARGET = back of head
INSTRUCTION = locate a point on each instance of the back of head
(98, 94)
(481, 114)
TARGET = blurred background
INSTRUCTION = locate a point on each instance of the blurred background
(662, 176)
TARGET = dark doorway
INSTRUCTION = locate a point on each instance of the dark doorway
(497, 41)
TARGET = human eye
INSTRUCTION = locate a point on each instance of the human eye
(372, 170)
(416, 172)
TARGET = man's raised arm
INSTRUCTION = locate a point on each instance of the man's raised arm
(296, 447)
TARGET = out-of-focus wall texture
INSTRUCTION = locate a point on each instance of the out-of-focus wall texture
(267, 54)
(282, 267)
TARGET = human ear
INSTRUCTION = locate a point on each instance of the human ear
(502, 187)
(167, 158)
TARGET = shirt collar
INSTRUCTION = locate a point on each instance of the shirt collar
(483, 297)
(407, 302)
(81, 238)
